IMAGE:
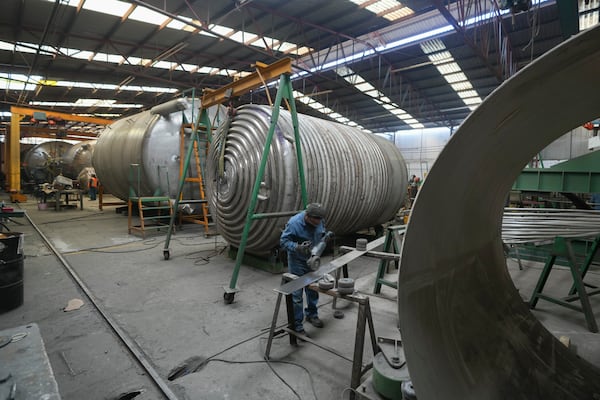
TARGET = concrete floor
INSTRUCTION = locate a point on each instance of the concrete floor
(174, 311)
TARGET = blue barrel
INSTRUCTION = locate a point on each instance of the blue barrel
(11, 270)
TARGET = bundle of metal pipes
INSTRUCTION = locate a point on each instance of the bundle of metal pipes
(521, 225)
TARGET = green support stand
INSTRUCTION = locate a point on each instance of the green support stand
(285, 92)
(563, 247)
(203, 122)
(390, 245)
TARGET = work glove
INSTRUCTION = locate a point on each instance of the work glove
(303, 248)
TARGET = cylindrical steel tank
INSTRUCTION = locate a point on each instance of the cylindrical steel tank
(45, 161)
(84, 178)
(78, 157)
(149, 140)
(360, 178)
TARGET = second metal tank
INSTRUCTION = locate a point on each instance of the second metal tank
(360, 178)
(142, 151)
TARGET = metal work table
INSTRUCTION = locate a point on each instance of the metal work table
(363, 321)
(8, 215)
(25, 371)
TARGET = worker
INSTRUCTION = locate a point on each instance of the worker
(414, 187)
(93, 186)
(301, 232)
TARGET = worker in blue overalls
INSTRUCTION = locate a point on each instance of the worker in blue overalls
(303, 231)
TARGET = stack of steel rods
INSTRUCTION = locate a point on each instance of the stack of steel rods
(521, 225)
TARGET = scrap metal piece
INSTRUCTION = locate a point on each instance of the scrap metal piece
(467, 333)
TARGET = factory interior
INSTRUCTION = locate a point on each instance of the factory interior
(284, 199)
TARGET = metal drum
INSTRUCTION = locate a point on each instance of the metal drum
(150, 141)
(360, 178)
(11, 270)
(45, 160)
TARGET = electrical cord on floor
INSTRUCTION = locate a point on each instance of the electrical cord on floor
(348, 389)
(151, 243)
(205, 259)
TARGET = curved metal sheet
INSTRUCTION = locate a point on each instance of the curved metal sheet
(467, 333)
(359, 178)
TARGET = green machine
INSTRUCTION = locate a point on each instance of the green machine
(389, 378)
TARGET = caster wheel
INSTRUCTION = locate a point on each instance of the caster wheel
(228, 297)
(166, 254)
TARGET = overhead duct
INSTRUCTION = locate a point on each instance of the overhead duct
(146, 145)
(360, 178)
(466, 331)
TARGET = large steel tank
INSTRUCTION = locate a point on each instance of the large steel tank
(45, 161)
(360, 178)
(150, 141)
(78, 157)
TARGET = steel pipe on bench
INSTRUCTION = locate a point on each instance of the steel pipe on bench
(466, 331)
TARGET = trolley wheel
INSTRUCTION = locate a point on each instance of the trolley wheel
(166, 254)
(228, 297)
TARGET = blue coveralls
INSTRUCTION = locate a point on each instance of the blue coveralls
(297, 231)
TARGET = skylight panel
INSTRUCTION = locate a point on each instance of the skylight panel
(112, 7)
(143, 14)
(461, 86)
(363, 87)
(353, 78)
(221, 30)
(401, 13)
(451, 71)
(86, 103)
(456, 77)
(243, 37)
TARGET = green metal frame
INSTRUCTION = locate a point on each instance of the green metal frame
(203, 120)
(285, 92)
(562, 247)
(391, 243)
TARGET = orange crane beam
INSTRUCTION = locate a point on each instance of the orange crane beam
(12, 148)
(243, 85)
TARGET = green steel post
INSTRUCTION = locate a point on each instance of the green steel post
(586, 264)
(285, 90)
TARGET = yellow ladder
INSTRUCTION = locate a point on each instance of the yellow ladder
(203, 217)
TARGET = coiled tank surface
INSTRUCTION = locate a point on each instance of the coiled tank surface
(360, 178)
(45, 161)
(143, 151)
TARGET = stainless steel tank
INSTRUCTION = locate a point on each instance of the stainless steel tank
(150, 141)
(44, 161)
(360, 178)
(466, 331)
(78, 157)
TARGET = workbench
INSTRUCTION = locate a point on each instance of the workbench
(25, 370)
(8, 216)
(66, 194)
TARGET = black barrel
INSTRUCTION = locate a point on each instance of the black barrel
(11, 270)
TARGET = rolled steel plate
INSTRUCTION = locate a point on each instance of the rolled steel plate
(466, 331)
(359, 178)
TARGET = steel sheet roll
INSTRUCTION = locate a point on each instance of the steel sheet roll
(146, 145)
(466, 331)
(45, 161)
(360, 178)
